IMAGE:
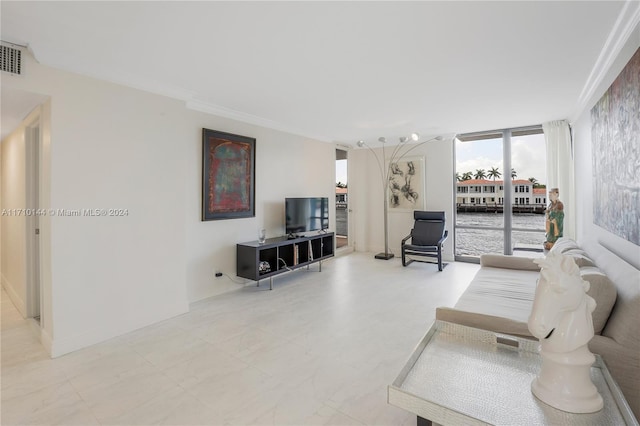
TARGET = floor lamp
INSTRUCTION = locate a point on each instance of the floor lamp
(402, 148)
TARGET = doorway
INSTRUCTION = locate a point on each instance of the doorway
(34, 212)
(342, 200)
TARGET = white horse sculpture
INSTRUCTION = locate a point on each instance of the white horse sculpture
(561, 319)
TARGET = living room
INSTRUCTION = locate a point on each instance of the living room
(139, 148)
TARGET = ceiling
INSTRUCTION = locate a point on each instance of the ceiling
(334, 71)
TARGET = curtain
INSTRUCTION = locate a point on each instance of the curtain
(560, 167)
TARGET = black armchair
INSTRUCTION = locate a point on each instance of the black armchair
(427, 236)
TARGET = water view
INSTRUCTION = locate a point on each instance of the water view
(474, 242)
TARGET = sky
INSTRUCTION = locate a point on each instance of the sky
(341, 171)
(528, 157)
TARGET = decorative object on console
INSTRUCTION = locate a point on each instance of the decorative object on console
(228, 175)
(615, 123)
(561, 318)
(403, 192)
(264, 267)
(554, 219)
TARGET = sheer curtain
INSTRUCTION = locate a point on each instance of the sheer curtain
(560, 168)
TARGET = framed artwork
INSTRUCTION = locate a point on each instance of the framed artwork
(407, 184)
(615, 132)
(228, 175)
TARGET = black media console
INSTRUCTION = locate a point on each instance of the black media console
(257, 261)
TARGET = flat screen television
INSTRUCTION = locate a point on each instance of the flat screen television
(306, 214)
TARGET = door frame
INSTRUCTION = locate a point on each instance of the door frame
(350, 240)
(33, 171)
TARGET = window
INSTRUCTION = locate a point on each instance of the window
(512, 221)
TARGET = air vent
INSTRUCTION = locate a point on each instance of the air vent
(11, 59)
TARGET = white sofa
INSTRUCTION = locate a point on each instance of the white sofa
(500, 298)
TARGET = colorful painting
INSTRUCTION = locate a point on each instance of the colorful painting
(406, 184)
(615, 134)
(228, 175)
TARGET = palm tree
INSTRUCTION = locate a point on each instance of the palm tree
(458, 176)
(534, 181)
(513, 174)
(480, 174)
(494, 173)
(467, 176)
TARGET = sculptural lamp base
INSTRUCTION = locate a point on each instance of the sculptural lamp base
(384, 256)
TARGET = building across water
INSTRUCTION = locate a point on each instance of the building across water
(483, 195)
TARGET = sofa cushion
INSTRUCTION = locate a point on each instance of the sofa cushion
(622, 325)
(508, 262)
(563, 244)
(493, 323)
(580, 256)
(603, 292)
(514, 289)
(619, 344)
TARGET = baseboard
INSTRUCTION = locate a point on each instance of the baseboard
(344, 251)
(63, 346)
(46, 341)
(15, 298)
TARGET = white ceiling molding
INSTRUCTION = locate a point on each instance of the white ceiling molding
(626, 23)
(221, 111)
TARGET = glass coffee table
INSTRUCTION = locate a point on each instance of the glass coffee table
(463, 375)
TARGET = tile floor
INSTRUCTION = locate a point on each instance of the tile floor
(320, 349)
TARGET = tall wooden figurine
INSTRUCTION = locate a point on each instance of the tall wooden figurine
(554, 219)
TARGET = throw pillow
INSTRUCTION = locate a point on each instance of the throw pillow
(603, 292)
(563, 244)
(580, 256)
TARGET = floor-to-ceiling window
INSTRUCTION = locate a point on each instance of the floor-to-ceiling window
(500, 192)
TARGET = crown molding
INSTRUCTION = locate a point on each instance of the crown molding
(625, 24)
(188, 97)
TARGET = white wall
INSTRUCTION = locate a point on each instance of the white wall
(586, 229)
(366, 198)
(286, 166)
(112, 147)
